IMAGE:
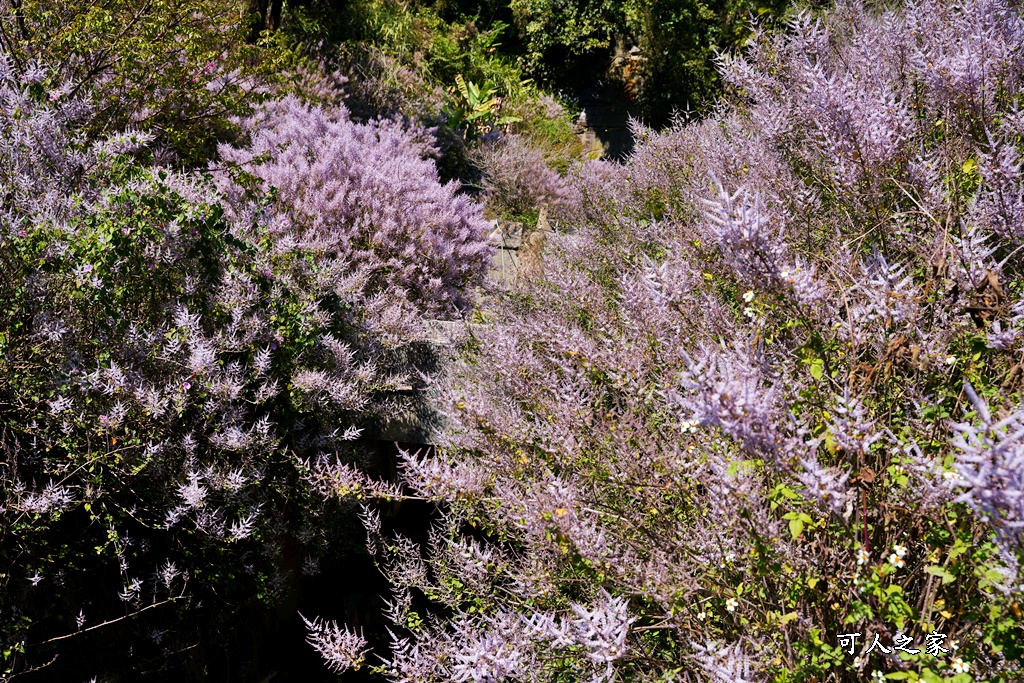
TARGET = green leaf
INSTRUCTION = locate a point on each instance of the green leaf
(993, 575)
(941, 572)
(816, 368)
(787, 492)
(796, 527)
(461, 83)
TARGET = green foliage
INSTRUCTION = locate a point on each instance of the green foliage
(414, 36)
(678, 39)
(400, 54)
(178, 69)
(473, 109)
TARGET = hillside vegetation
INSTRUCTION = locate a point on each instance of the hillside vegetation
(750, 409)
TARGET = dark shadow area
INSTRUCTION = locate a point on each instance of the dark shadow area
(607, 109)
(241, 638)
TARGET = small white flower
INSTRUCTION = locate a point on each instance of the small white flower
(950, 475)
(702, 616)
(950, 359)
(785, 273)
(960, 666)
(898, 470)
(900, 550)
(749, 312)
(863, 556)
(877, 676)
(748, 296)
(896, 561)
(954, 644)
(731, 604)
(857, 662)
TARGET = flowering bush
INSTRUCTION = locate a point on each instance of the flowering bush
(517, 181)
(178, 352)
(766, 395)
(369, 193)
(179, 69)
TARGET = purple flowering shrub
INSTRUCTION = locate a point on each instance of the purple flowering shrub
(367, 192)
(139, 394)
(180, 352)
(768, 394)
(517, 179)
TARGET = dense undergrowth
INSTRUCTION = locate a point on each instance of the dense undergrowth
(559, 45)
(761, 394)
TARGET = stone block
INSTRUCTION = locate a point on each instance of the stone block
(506, 235)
